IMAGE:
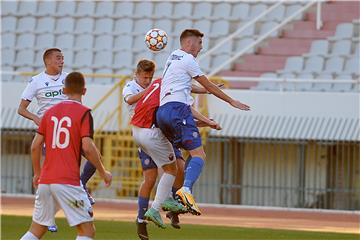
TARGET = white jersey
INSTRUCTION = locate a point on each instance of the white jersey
(46, 89)
(131, 88)
(180, 69)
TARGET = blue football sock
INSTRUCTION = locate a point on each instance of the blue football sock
(143, 204)
(193, 171)
(87, 173)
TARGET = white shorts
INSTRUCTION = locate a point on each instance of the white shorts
(71, 199)
(154, 143)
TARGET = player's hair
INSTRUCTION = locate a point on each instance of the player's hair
(145, 65)
(49, 51)
(190, 33)
(75, 83)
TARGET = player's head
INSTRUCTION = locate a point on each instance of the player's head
(53, 60)
(74, 84)
(144, 72)
(191, 41)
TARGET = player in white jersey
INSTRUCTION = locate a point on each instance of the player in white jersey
(46, 88)
(174, 115)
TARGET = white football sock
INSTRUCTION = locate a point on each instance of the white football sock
(83, 238)
(163, 190)
(29, 236)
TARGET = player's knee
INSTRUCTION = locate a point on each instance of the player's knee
(170, 168)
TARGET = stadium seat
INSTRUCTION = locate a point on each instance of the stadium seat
(5, 77)
(45, 25)
(326, 87)
(357, 49)
(181, 25)
(85, 71)
(341, 48)
(203, 25)
(103, 80)
(8, 24)
(104, 25)
(163, 9)
(305, 86)
(123, 42)
(256, 10)
(217, 60)
(293, 65)
(222, 10)
(249, 31)
(39, 62)
(65, 25)
(141, 55)
(46, 8)
(205, 64)
(319, 47)
(220, 28)
(352, 65)
(84, 25)
(25, 40)
(334, 65)
(7, 57)
(84, 41)
(124, 9)
(26, 8)
(174, 43)
(340, 86)
(314, 65)
(65, 41)
(65, 8)
(45, 40)
(139, 43)
(142, 26)
(202, 10)
(182, 10)
(291, 9)
(266, 27)
(123, 59)
(104, 9)
(277, 14)
(288, 85)
(20, 78)
(242, 43)
(160, 59)
(225, 48)
(26, 24)
(104, 42)
(240, 11)
(24, 58)
(164, 24)
(267, 85)
(103, 59)
(8, 8)
(83, 58)
(85, 9)
(68, 57)
(8, 40)
(343, 31)
(124, 25)
(143, 9)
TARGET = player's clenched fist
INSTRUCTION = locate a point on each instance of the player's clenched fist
(107, 178)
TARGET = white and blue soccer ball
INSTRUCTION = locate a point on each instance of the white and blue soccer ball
(156, 39)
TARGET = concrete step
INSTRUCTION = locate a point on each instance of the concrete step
(260, 63)
(308, 34)
(286, 47)
(231, 73)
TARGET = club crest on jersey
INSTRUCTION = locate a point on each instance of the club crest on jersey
(171, 156)
(147, 161)
(46, 83)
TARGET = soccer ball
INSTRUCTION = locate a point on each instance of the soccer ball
(156, 39)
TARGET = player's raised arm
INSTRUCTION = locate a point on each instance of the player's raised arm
(204, 121)
(91, 154)
(212, 88)
(201, 90)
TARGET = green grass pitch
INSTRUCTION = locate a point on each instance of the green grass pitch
(12, 227)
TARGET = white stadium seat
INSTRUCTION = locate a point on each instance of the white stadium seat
(85, 9)
(267, 85)
(84, 25)
(340, 86)
(123, 42)
(319, 47)
(103, 80)
(103, 59)
(182, 10)
(163, 9)
(8, 40)
(240, 11)
(83, 58)
(277, 14)
(65, 41)
(7, 57)
(139, 43)
(68, 57)
(181, 25)
(25, 40)
(222, 10)
(202, 10)
(124, 9)
(160, 58)
(266, 27)
(142, 26)
(225, 48)
(220, 28)
(314, 65)
(334, 65)
(342, 47)
(256, 10)
(104, 25)
(65, 25)
(217, 60)
(326, 87)
(352, 65)
(26, 8)
(104, 9)
(123, 25)
(164, 24)
(123, 59)
(45, 40)
(45, 25)
(9, 7)
(84, 41)
(305, 86)
(65, 8)
(46, 8)
(24, 58)
(104, 42)
(343, 31)
(26, 24)
(291, 9)
(143, 9)
(203, 25)
(293, 65)
(8, 24)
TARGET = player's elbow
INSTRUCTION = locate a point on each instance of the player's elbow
(87, 146)
(20, 111)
